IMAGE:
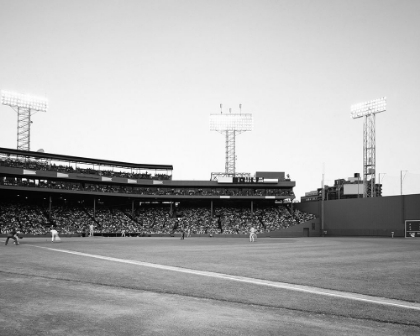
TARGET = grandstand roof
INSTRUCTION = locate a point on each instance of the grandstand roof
(78, 159)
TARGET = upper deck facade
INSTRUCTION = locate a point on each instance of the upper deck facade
(54, 173)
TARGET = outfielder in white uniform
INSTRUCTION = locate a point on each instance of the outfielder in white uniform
(252, 234)
(54, 236)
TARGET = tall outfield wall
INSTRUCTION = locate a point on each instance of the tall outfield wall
(377, 216)
(310, 228)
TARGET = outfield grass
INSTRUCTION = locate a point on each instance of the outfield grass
(100, 297)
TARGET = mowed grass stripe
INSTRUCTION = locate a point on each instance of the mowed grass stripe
(275, 284)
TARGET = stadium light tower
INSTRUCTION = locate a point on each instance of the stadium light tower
(25, 106)
(230, 125)
(368, 110)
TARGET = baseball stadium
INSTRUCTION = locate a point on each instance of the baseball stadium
(138, 253)
(136, 201)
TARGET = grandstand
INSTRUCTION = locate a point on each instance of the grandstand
(42, 189)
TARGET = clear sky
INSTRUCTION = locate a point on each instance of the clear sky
(137, 80)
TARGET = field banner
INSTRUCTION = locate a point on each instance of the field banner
(106, 178)
(271, 180)
(29, 172)
(224, 179)
(131, 181)
(157, 182)
(62, 175)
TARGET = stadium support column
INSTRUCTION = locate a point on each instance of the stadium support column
(49, 207)
(132, 208)
(211, 209)
(94, 207)
(252, 208)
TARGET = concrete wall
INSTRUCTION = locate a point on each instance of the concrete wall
(366, 216)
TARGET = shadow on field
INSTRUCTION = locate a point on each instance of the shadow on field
(39, 306)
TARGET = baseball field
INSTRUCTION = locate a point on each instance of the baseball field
(210, 286)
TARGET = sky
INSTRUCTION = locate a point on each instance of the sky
(136, 81)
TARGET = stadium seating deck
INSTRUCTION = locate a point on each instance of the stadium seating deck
(34, 219)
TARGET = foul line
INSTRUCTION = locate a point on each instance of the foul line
(275, 284)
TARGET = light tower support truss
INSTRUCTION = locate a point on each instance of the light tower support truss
(230, 125)
(25, 106)
(230, 154)
(368, 111)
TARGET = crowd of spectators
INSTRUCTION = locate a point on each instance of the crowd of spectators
(109, 220)
(239, 220)
(197, 220)
(277, 218)
(26, 218)
(147, 219)
(45, 165)
(128, 189)
(142, 176)
(155, 219)
(70, 219)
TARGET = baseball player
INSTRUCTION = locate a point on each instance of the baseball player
(252, 234)
(54, 235)
(13, 235)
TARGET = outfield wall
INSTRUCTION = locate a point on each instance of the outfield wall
(310, 228)
(378, 216)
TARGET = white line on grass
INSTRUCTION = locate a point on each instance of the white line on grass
(275, 284)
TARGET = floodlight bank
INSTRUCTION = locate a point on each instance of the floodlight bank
(26, 101)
